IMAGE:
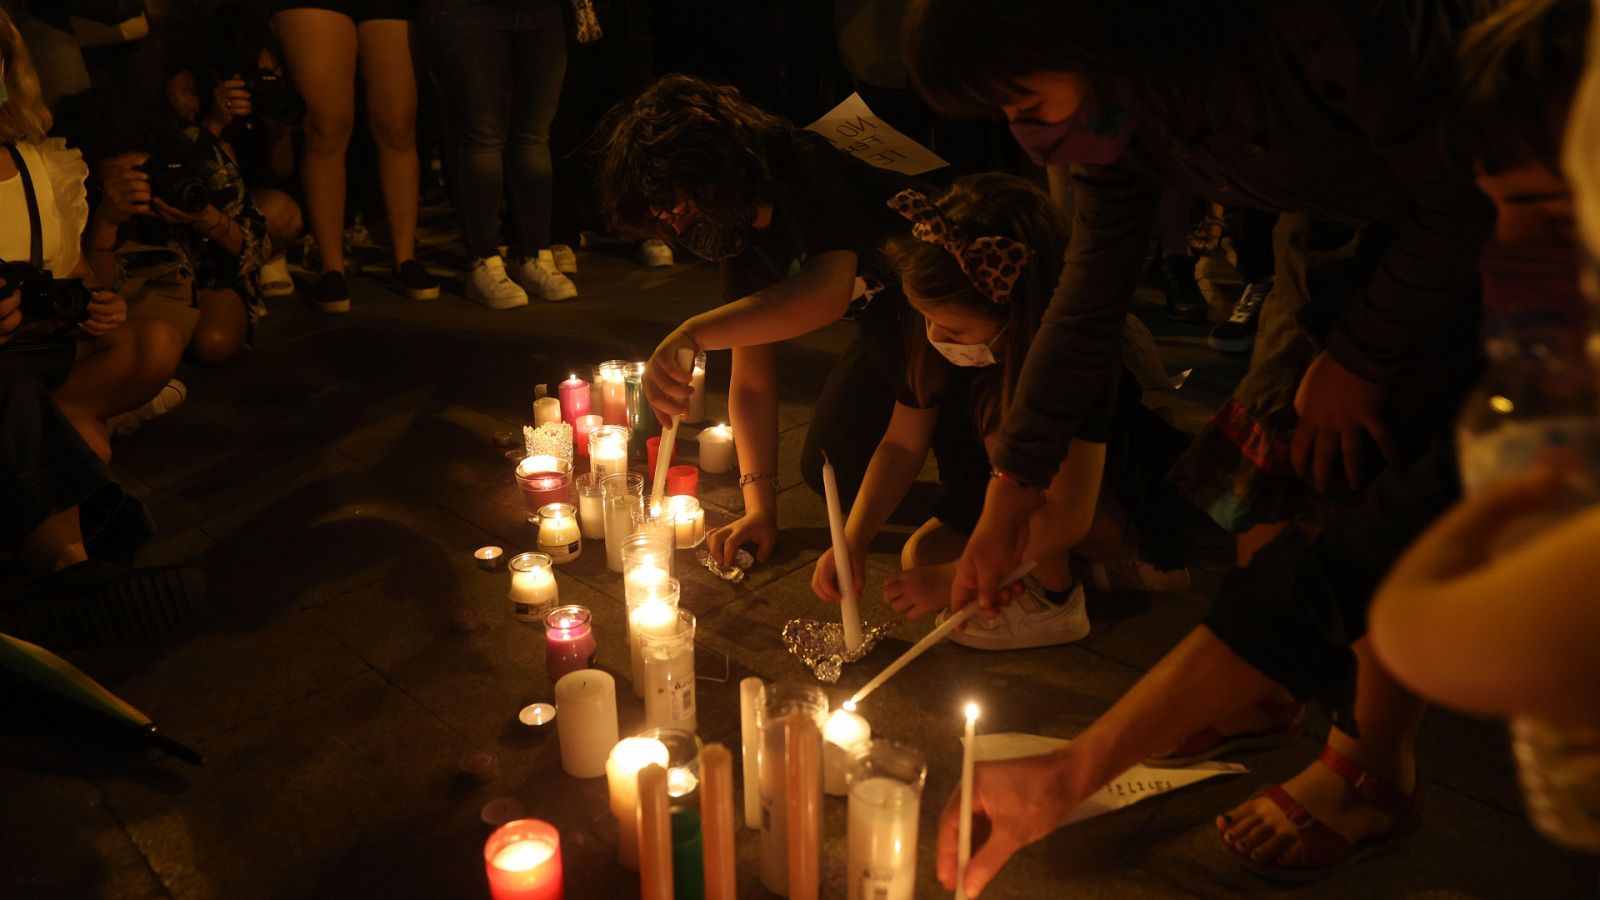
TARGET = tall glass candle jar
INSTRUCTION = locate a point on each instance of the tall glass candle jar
(668, 650)
(620, 495)
(558, 532)
(688, 521)
(646, 559)
(544, 480)
(683, 762)
(653, 609)
(591, 512)
(778, 702)
(608, 450)
(569, 641)
(641, 418)
(533, 587)
(885, 784)
(523, 861)
(611, 376)
(658, 522)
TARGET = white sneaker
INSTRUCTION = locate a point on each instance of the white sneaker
(1027, 622)
(539, 276)
(566, 261)
(1133, 574)
(489, 286)
(275, 278)
(169, 398)
(654, 253)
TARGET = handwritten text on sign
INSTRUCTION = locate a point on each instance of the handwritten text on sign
(853, 128)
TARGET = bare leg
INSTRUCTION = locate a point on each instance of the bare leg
(392, 114)
(285, 222)
(1247, 543)
(56, 544)
(222, 329)
(116, 374)
(321, 50)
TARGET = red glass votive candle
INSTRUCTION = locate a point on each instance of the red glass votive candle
(581, 427)
(652, 450)
(544, 480)
(523, 860)
(684, 480)
(569, 641)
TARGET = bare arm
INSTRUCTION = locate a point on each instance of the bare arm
(753, 411)
(1069, 503)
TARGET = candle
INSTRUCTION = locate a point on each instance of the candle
(841, 736)
(657, 521)
(489, 557)
(667, 646)
(697, 384)
(569, 641)
(778, 703)
(574, 401)
(613, 391)
(849, 613)
(582, 428)
(658, 615)
(608, 450)
(964, 824)
(523, 861)
(537, 715)
(620, 495)
(544, 480)
(683, 480)
(591, 510)
(683, 760)
(559, 536)
(586, 707)
(716, 449)
(654, 818)
(652, 453)
(803, 756)
(750, 749)
(546, 409)
(716, 819)
(533, 587)
(688, 852)
(689, 521)
(622, 772)
(881, 835)
(640, 416)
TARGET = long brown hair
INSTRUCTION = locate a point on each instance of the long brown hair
(981, 205)
(23, 116)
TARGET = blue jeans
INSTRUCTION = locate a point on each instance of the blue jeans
(501, 63)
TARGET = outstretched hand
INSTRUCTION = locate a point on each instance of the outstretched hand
(996, 546)
(1014, 803)
(1338, 409)
(667, 380)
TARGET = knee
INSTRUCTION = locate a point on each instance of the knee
(157, 347)
(396, 132)
(213, 345)
(328, 130)
(284, 219)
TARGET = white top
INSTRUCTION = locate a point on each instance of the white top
(58, 180)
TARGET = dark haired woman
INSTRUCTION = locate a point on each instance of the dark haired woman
(797, 227)
(978, 270)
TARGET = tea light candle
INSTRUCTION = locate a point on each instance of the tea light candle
(489, 557)
(586, 703)
(537, 715)
(569, 641)
(582, 428)
(608, 450)
(689, 521)
(546, 409)
(716, 449)
(622, 773)
(613, 391)
(684, 481)
(697, 381)
(533, 587)
(558, 532)
(574, 401)
(844, 732)
(523, 861)
(667, 646)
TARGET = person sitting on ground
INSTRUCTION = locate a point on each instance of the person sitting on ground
(965, 336)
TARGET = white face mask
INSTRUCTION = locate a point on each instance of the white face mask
(966, 355)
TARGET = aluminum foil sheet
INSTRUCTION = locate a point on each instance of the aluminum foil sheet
(820, 645)
(742, 561)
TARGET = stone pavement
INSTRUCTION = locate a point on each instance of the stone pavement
(333, 483)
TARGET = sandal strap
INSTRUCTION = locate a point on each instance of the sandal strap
(1320, 846)
(1400, 806)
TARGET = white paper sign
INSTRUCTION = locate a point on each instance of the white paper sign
(853, 128)
(1138, 783)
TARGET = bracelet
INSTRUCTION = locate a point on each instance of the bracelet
(1012, 480)
(754, 477)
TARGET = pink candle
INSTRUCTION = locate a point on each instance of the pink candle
(580, 431)
(544, 480)
(574, 401)
(569, 641)
(523, 860)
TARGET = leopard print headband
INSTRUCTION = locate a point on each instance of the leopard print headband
(993, 264)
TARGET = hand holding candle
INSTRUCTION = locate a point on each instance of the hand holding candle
(669, 436)
(849, 612)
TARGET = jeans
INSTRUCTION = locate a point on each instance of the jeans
(501, 63)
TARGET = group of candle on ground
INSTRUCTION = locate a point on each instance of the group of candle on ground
(793, 752)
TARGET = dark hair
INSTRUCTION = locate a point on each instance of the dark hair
(685, 135)
(969, 57)
(1517, 71)
(981, 205)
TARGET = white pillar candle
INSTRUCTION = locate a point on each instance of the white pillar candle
(716, 449)
(668, 651)
(844, 732)
(533, 587)
(546, 409)
(964, 825)
(697, 381)
(750, 753)
(849, 613)
(586, 718)
(688, 520)
(611, 376)
(622, 781)
(882, 840)
(591, 512)
(558, 532)
(608, 450)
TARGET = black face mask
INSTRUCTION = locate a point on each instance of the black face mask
(714, 241)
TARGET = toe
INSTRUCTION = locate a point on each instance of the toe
(1272, 850)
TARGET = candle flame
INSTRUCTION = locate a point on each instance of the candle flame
(523, 856)
(850, 706)
(972, 712)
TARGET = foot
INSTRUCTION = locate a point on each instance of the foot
(275, 278)
(1028, 621)
(1238, 334)
(1184, 300)
(331, 294)
(538, 276)
(169, 398)
(1269, 722)
(653, 253)
(416, 280)
(566, 261)
(488, 285)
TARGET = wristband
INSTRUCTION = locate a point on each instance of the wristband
(1012, 480)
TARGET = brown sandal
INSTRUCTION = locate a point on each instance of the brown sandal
(1209, 743)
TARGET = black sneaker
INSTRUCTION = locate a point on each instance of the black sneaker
(330, 294)
(416, 280)
(1238, 334)
(96, 604)
(1184, 301)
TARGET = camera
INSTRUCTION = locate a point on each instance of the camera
(45, 297)
(273, 97)
(179, 174)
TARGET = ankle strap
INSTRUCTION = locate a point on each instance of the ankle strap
(1378, 792)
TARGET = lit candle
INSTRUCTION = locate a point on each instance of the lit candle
(849, 613)
(716, 449)
(622, 773)
(546, 409)
(964, 824)
(591, 511)
(780, 702)
(844, 732)
(608, 450)
(689, 521)
(646, 555)
(885, 795)
(750, 749)
(657, 615)
(582, 427)
(657, 521)
(489, 557)
(716, 821)
(620, 494)
(586, 706)
(574, 401)
(544, 480)
(668, 650)
(654, 821)
(533, 587)
(803, 758)
(697, 384)
(558, 532)
(523, 861)
(613, 391)
(569, 641)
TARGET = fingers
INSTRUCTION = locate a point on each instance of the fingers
(1325, 455)
(824, 580)
(963, 587)
(988, 859)
(766, 540)
(949, 834)
(716, 543)
(1350, 444)
(1300, 449)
